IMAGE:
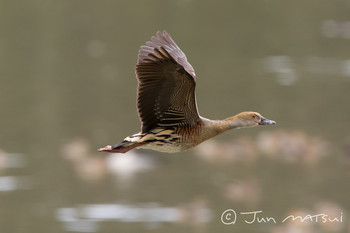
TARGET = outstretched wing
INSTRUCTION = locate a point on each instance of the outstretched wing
(166, 85)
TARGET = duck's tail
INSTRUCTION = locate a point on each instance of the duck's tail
(127, 144)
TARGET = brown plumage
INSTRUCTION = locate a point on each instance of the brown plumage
(166, 103)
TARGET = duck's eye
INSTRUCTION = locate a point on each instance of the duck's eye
(253, 116)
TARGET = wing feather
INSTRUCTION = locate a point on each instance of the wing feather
(166, 85)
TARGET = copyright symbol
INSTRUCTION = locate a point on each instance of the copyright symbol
(229, 217)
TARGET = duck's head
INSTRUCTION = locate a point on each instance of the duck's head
(251, 119)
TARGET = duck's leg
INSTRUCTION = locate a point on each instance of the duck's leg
(120, 148)
(127, 144)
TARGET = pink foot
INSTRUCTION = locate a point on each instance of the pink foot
(105, 149)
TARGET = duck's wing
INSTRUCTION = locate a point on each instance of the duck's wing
(166, 85)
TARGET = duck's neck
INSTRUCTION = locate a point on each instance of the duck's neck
(215, 127)
(233, 122)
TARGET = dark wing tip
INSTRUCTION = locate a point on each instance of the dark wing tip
(163, 41)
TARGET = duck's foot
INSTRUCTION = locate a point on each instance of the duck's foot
(106, 149)
(123, 147)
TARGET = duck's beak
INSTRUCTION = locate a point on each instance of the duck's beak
(265, 121)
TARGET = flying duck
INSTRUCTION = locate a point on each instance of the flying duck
(166, 103)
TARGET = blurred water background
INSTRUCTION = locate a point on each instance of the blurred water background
(67, 87)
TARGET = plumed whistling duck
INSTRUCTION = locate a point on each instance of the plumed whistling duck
(166, 103)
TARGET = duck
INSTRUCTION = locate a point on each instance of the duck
(166, 103)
